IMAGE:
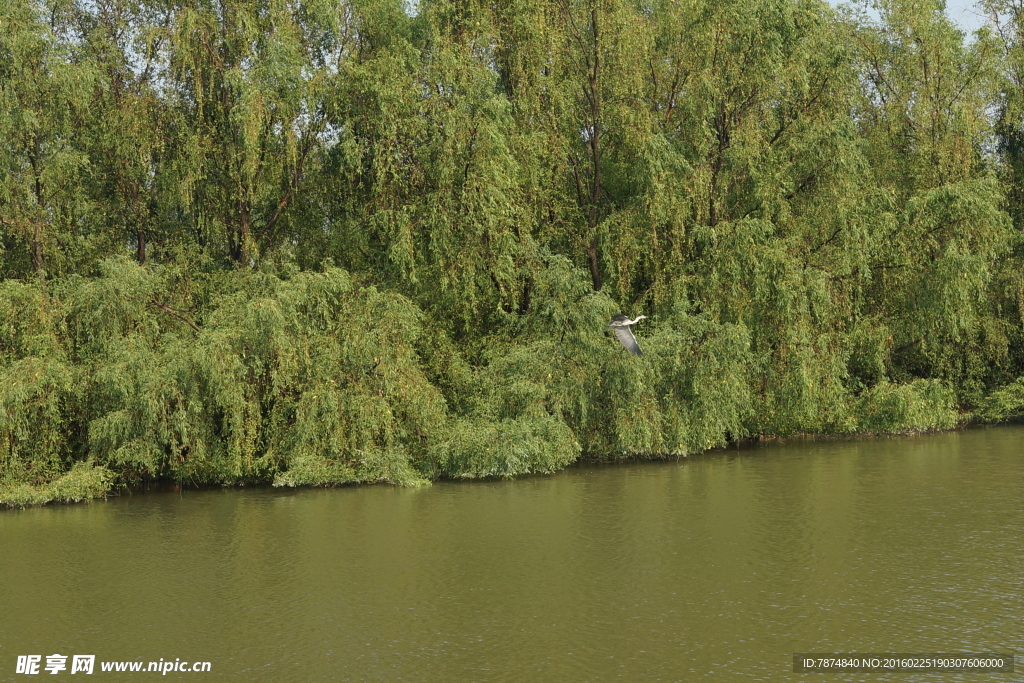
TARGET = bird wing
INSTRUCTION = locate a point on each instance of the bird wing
(625, 336)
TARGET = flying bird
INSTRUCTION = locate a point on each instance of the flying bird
(620, 325)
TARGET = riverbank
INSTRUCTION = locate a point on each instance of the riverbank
(85, 482)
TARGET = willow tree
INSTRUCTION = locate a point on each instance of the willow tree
(425, 187)
(43, 97)
(1008, 97)
(745, 196)
(941, 227)
(128, 134)
(248, 83)
(1007, 39)
(574, 73)
(599, 59)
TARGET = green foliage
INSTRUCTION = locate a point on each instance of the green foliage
(38, 399)
(474, 448)
(282, 371)
(82, 482)
(1004, 403)
(336, 242)
(922, 405)
(703, 384)
(43, 93)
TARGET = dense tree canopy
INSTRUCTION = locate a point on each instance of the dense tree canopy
(328, 241)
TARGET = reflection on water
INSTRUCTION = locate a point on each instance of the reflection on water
(721, 566)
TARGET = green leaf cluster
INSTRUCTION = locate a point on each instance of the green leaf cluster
(358, 241)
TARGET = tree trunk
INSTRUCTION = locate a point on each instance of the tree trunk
(595, 273)
(245, 233)
(37, 250)
(140, 247)
(595, 151)
(37, 230)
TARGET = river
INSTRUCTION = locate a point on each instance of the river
(720, 566)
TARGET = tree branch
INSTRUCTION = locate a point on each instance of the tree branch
(175, 312)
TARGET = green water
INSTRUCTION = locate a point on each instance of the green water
(718, 567)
